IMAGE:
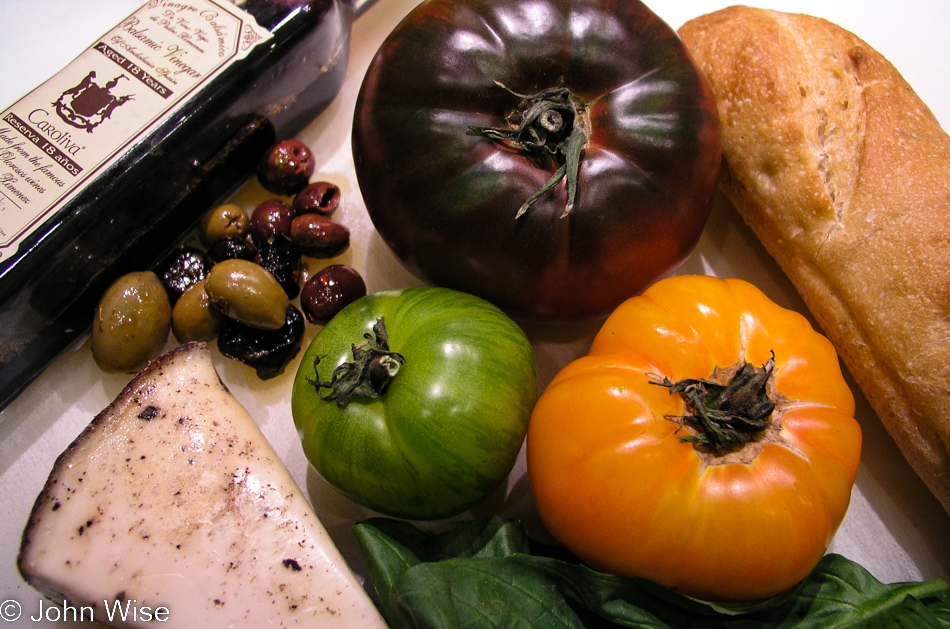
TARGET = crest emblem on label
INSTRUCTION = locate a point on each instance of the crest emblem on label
(87, 104)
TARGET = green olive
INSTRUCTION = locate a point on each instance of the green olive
(247, 293)
(132, 323)
(225, 221)
(193, 318)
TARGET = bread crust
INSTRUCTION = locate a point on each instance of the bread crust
(843, 174)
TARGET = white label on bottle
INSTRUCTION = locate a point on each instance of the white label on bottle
(56, 138)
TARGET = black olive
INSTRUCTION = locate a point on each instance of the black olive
(267, 351)
(182, 269)
(283, 259)
(231, 249)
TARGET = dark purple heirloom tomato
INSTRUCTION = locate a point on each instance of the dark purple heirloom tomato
(554, 156)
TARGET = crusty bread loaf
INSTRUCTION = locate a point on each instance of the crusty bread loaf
(844, 175)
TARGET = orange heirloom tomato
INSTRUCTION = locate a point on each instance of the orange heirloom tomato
(681, 451)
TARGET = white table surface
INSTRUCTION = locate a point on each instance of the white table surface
(894, 527)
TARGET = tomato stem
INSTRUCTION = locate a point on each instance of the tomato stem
(547, 124)
(369, 373)
(727, 415)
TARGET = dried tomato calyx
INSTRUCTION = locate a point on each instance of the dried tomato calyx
(727, 415)
(550, 124)
(369, 373)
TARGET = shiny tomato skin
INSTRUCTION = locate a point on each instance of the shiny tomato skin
(445, 199)
(615, 484)
(447, 431)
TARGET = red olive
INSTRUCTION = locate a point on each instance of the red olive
(318, 236)
(321, 197)
(286, 167)
(271, 218)
(329, 291)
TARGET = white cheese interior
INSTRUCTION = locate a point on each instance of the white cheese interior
(172, 498)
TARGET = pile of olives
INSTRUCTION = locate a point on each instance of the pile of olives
(238, 287)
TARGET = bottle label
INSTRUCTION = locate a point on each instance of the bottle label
(58, 137)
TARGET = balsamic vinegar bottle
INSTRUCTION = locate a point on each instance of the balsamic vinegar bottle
(108, 164)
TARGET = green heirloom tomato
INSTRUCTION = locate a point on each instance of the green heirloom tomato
(438, 421)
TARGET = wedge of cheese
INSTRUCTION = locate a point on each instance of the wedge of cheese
(171, 502)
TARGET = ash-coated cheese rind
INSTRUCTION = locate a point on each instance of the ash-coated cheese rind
(172, 498)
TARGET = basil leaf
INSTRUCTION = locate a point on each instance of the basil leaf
(487, 573)
(840, 593)
(393, 546)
